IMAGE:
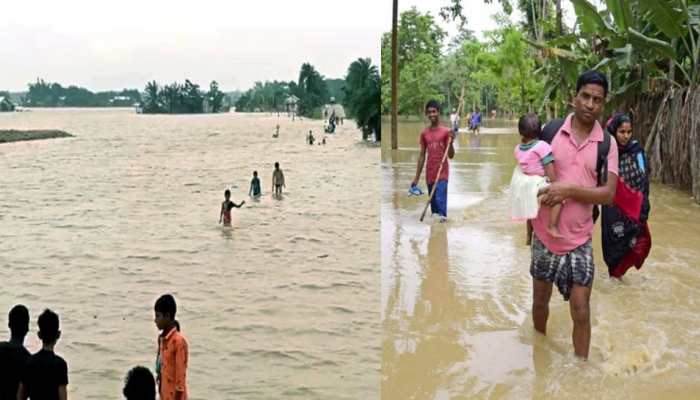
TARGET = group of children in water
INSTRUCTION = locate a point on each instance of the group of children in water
(255, 192)
(44, 374)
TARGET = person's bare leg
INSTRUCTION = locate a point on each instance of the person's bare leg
(541, 293)
(579, 304)
(554, 222)
(528, 237)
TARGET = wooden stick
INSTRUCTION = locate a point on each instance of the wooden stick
(432, 192)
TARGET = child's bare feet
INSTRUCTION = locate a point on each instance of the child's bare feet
(554, 232)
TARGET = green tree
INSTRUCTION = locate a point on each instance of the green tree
(152, 104)
(362, 96)
(311, 90)
(216, 96)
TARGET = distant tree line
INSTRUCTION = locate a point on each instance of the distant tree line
(186, 98)
(45, 94)
(6, 102)
(312, 90)
(359, 93)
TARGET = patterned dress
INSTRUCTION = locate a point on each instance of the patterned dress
(625, 232)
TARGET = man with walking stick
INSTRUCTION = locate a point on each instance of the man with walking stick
(437, 141)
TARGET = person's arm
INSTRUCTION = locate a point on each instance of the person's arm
(550, 172)
(250, 191)
(557, 192)
(62, 393)
(239, 205)
(22, 392)
(181, 355)
(560, 191)
(273, 182)
(451, 150)
(221, 214)
(419, 167)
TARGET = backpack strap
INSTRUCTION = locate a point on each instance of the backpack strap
(601, 166)
(551, 129)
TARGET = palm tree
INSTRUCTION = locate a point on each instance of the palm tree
(363, 96)
(151, 105)
(312, 88)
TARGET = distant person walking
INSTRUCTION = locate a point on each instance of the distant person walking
(454, 120)
(173, 353)
(277, 181)
(568, 262)
(45, 375)
(475, 121)
(13, 354)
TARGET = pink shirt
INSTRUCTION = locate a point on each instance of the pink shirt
(435, 141)
(575, 164)
(530, 161)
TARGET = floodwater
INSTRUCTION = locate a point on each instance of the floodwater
(456, 297)
(281, 305)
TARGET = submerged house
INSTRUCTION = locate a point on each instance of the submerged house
(6, 104)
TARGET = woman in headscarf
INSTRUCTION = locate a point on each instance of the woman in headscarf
(626, 236)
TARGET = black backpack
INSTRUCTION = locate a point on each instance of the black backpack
(552, 128)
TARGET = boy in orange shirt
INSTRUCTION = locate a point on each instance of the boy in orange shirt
(171, 364)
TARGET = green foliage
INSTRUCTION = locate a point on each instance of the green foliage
(184, 98)
(336, 89)
(268, 96)
(43, 94)
(311, 90)
(362, 96)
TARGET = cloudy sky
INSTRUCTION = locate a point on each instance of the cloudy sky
(111, 45)
(123, 44)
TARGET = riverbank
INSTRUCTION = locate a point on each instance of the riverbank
(11, 135)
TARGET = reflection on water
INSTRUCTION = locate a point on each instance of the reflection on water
(456, 297)
(281, 304)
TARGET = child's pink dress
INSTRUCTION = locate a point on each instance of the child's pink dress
(528, 178)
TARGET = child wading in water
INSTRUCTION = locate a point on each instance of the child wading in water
(433, 140)
(534, 172)
(277, 180)
(226, 208)
(173, 353)
(254, 190)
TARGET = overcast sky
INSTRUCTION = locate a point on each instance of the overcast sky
(123, 44)
(112, 45)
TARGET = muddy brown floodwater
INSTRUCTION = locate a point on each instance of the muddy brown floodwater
(281, 305)
(456, 297)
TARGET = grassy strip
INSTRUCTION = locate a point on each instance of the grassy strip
(7, 136)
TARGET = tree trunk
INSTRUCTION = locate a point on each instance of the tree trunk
(560, 27)
(394, 77)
